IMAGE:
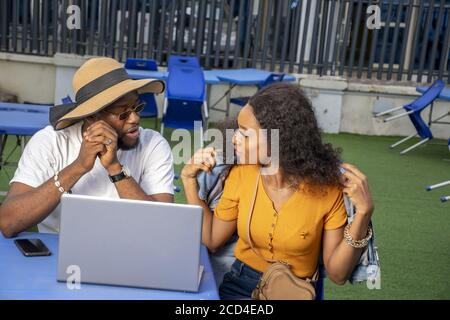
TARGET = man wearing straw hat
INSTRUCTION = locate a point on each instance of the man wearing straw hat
(94, 147)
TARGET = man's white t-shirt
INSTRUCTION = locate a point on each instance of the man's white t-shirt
(49, 152)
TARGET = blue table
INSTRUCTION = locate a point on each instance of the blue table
(243, 77)
(142, 74)
(35, 278)
(247, 77)
(238, 76)
(232, 77)
(21, 120)
(444, 95)
(210, 75)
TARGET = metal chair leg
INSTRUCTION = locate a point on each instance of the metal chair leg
(22, 143)
(166, 102)
(202, 142)
(387, 112)
(403, 140)
(414, 146)
(205, 109)
(205, 115)
(227, 113)
(438, 185)
(439, 118)
(430, 115)
(398, 116)
(3, 139)
(445, 199)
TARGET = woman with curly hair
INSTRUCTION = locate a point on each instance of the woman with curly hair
(298, 211)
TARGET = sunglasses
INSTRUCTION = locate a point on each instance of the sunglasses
(126, 114)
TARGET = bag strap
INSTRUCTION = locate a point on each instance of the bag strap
(252, 206)
(314, 278)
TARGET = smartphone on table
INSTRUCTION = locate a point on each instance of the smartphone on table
(32, 247)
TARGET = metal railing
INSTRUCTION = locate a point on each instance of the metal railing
(324, 37)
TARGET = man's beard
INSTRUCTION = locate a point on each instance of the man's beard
(122, 146)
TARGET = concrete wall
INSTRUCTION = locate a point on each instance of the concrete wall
(326, 95)
(340, 105)
(30, 78)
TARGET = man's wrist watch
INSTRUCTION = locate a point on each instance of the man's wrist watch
(124, 174)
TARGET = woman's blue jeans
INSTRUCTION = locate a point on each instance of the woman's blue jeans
(239, 283)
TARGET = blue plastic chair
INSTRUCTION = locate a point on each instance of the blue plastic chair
(66, 100)
(185, 95)
(184, 61)
(242, 101)
(141, 64)
(151, 108)
(413, 110)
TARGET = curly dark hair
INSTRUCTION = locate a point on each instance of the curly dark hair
(303, 156)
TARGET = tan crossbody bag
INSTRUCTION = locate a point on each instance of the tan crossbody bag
(279, 282)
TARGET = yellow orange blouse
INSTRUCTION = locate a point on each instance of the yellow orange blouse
(293, 234)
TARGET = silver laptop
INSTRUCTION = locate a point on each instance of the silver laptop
(130, 243)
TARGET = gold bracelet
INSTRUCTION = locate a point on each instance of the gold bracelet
(357, 243)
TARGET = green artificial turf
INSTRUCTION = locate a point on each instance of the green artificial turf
(412, 227)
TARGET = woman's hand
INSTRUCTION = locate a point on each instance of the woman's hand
(203, 160)
(356, 188)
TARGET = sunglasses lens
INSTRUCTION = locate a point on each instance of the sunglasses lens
(139, 108)
(124, 115)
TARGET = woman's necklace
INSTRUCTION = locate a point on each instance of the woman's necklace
(279, 189)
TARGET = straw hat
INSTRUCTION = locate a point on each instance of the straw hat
(97, 84)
